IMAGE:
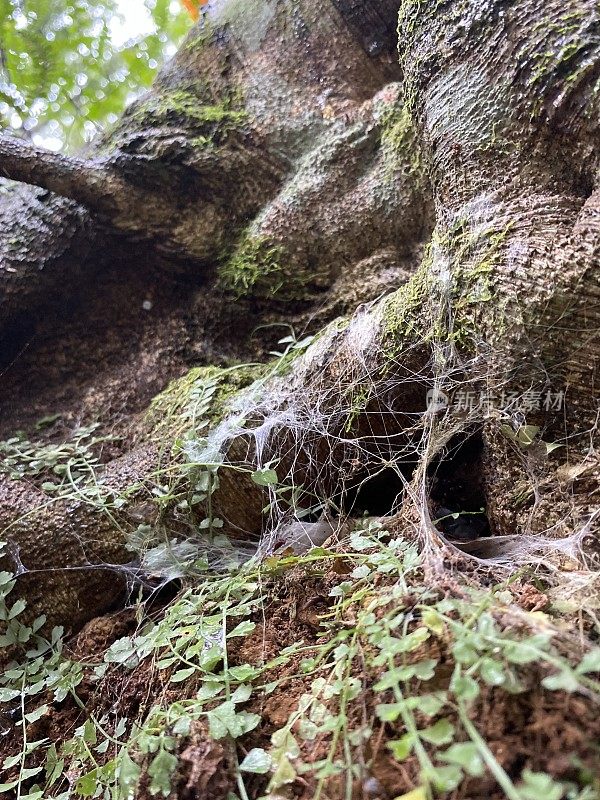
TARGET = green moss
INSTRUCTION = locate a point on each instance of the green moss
(426, 309)
(556, 57)
(397, 128)
(206, 124)
(415, 18)
(255, 267)
(198, 399)
(408, 14)
(199, 39)
(399, 141)
(475, 259)
(259, 267)
(402, 312)
(178, 104)
(358, 398)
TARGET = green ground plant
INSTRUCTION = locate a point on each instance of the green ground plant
(380, 657)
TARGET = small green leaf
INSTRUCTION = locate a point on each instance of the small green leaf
(182, 674)
(492, 672)
(539, 786)
(122, 651)
(526, 434)
(210, 658)
(242, 694)
(7, 581)
(284, 742)
(465, 755)
(217, 727)
(464, 653)
(88, 731)
(160, 770)
(17, 608)
(561, 681)
(421, 793)
(224, 720)
(257, 761)
(243, 629)
(446, 779)
(46, 421)
(432, 620)
(307, 730)
(519, 653)
(9, 763)
(246, 722)
(590, 662)
(208, 690)
(442, 732)
(361, 572)
(361, 543)
(245, 672)
(284, 773)
(402, 748)
(552, 446)
(25, 774)
(182, 726)
(431, 704)
(128, 773)
(424, 670)
(413, 640)
(388, 712)
(34, 794)
(341, 589)
(35, 715)
(464, 686)
(265, 477)
(508, 432)
(87, 784)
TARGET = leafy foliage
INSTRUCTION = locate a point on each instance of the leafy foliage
(71, 461)
(66, 70)
(377, 645)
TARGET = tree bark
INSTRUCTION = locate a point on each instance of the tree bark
(285, 159)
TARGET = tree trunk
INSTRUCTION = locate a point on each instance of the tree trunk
(285, 169)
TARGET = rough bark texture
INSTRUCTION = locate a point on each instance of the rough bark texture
(285, 169)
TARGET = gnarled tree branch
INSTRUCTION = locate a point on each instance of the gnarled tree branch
(86, 182)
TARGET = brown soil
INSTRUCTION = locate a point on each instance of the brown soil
(540, 730)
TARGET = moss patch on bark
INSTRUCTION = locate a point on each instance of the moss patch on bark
(199, 397)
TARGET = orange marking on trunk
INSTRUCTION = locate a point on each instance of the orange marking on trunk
(193, 7)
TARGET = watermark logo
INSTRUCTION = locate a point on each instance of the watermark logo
(437, 401)
(469, 400)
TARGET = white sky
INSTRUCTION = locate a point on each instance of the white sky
(136, 21)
